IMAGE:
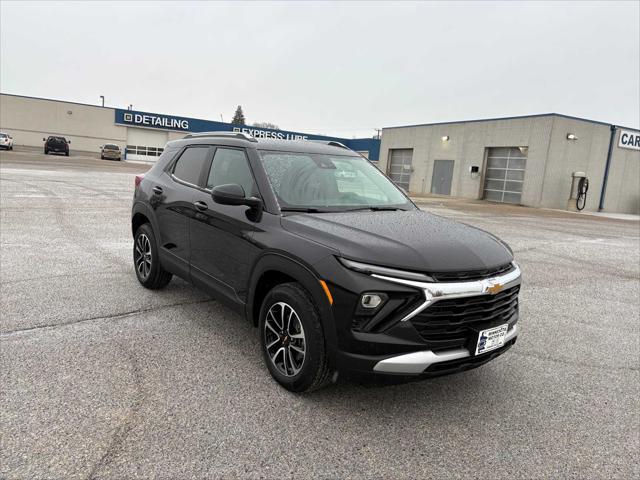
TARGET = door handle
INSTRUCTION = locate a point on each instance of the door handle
(201, 206)
(157, 190)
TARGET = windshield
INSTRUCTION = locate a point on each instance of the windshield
(329, 182)
(109, 146)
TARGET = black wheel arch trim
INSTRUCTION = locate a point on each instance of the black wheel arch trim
(303, 274)
(144, 209)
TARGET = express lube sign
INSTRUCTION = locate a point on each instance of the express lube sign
(278, 135)
(629, 139)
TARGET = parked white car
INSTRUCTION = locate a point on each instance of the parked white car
(6, 141)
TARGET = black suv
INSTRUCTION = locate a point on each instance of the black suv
(56, 144)
(338, 269)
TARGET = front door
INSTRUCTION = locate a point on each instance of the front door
(220, 234)
(441, 178)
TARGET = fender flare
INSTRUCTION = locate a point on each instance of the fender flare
(302, 274)
(140, 207)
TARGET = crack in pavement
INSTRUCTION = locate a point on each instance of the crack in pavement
(19, 331)
(121, 433)
(573, 363)
(68, 275)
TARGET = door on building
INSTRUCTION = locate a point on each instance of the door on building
(400, 166)
(442, 176)
(504, 175)
(145, 143)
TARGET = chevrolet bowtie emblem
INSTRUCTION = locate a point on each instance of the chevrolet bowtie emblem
(495, 288)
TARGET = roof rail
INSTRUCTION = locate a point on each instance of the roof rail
(332, 143)
(238, 135)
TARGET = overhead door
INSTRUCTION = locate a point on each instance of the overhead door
(504, 175)
(145, 143)
(400, 166)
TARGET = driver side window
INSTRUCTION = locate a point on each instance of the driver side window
(231, 166)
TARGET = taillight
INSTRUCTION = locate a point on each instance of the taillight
(138, 180)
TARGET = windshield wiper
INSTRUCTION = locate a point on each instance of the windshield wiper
(376, 209)
(301, 209)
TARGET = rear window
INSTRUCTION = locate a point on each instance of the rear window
(58, 139)
(189, 166)
(3, 135)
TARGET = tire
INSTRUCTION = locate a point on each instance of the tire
(304, 371)
(66, 154)
(46, 152)
(101, 157)
(148, 271)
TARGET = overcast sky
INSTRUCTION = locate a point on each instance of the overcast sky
(341, 69)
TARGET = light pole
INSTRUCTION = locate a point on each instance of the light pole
(102, 98)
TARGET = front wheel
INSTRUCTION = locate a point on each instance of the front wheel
(46, 152)
(146, 261)
(292, 339)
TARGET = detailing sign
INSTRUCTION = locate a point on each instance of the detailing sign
(629, 139)
(149, 120)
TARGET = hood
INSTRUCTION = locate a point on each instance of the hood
(411, 240)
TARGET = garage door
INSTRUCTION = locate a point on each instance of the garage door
(504, 175)
(400, 166)
(145, 144)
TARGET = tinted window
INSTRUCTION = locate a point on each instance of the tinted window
(110, 146)
(190, 163)
(231, 166)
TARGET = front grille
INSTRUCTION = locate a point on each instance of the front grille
(449, 324)
(471, 275)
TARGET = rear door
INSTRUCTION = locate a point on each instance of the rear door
(220, 235)
(172, 197)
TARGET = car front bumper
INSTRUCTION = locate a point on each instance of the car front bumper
(401, 343)
(418, 362)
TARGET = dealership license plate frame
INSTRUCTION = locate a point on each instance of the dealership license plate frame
(494, 338)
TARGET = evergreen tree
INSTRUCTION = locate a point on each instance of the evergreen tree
(238, 117)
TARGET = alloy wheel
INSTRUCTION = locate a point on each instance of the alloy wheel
(143, 255)
(284, 339)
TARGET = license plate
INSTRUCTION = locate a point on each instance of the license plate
(491, 338)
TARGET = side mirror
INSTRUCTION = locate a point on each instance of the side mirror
(44, 139)
(69, 141)
(233, 194)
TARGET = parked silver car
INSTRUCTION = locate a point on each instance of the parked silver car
(110, 151)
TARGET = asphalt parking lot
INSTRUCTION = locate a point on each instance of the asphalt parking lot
(101, 378)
